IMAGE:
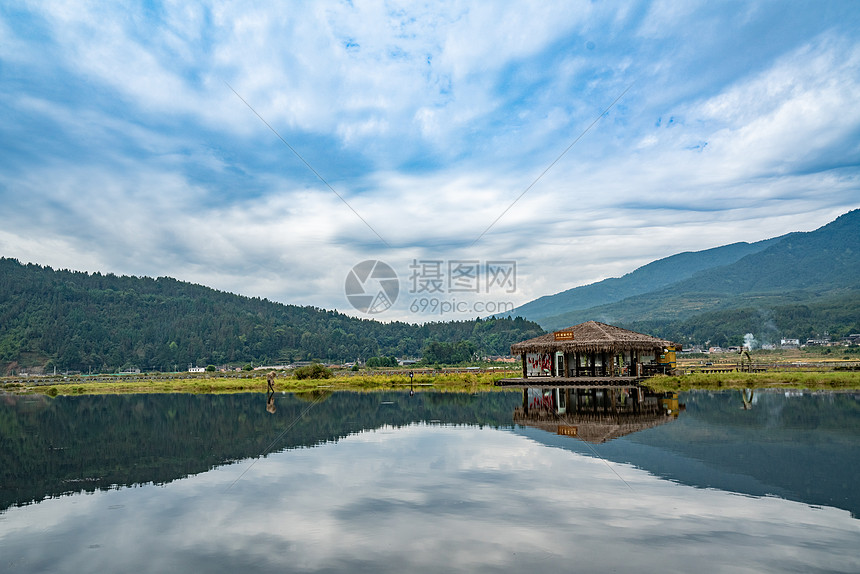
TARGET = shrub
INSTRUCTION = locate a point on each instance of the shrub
(53, 392)
(315, 371)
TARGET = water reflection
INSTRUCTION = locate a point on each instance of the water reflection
(596, 414)
(747, 397)
(365, 482)
(270, 402)
(85, 443)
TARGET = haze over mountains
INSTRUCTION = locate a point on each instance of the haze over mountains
(795, 285)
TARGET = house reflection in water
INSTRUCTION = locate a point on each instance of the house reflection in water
(596, 414)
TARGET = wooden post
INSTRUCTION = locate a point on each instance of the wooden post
(525, 370)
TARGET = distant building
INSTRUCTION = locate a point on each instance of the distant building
(197, 369)
(789, 342)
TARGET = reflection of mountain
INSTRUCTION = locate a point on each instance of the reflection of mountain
(595, 414)
(70, 444)
(804, 448)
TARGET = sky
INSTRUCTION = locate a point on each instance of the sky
(484, 153)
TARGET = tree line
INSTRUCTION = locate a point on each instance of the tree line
(78, 321)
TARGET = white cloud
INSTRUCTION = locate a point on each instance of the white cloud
(429, 122)
(423, 497)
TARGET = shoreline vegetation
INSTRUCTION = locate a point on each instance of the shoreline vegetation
(806, 380)
(447, 382)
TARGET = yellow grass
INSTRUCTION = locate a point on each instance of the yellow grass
(454, 382)
(467, 382)
(825, 380)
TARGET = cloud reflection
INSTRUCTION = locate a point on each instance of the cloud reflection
(426, 498)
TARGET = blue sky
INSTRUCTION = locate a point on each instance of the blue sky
(124, 149)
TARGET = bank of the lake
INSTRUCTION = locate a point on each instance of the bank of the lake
(824, 380)
(454, 382)
(464, 381)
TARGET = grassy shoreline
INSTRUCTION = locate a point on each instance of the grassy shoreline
(462, 382)
(454, 382)
(824, 380)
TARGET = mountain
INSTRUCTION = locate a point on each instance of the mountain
(78, 321)
(798, 285)
(650, 277)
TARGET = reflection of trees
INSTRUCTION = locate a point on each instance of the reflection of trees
(798, 445)
(72, 444)
(315, 396)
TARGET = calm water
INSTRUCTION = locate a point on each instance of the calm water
(436, 482)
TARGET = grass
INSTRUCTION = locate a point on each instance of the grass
(466, 382)
(825, 380)
(453, 382)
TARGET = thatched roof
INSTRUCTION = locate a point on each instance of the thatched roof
(595, 429)
(592, 337)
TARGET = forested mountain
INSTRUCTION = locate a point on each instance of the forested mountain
(78, 321)
(800, 285)
(650, 277)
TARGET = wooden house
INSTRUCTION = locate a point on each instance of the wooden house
(595, 351)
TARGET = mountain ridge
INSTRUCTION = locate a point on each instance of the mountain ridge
(811, 272)
(641, 280)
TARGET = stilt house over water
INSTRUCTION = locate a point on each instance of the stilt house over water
(593, 350)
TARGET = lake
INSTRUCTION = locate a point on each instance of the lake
(541, 481)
